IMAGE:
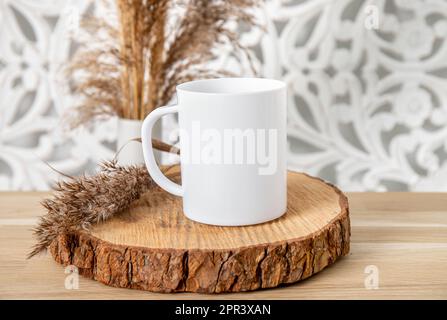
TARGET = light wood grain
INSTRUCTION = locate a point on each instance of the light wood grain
(157, 221)
(152, 246)
(403, 234)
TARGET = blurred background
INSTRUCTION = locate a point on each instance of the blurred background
(367, 90)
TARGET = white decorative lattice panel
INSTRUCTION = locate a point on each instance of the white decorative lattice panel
(367, 91)
(35, 41)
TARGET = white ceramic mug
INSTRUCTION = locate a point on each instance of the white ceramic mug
(232, 150)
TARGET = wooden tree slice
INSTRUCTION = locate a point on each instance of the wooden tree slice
(153, 246)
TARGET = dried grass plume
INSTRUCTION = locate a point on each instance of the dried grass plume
(131, 66)
(83, 201)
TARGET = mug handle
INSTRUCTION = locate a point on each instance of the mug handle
(149, 159)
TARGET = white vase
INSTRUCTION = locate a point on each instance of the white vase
(131, 152)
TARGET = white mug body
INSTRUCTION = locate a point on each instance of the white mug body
(233, 150)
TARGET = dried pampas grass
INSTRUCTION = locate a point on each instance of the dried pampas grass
(83, 201)
(131, 67)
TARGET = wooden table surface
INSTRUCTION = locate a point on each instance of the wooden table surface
(399, 237)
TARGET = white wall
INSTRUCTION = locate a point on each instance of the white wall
(367, 83)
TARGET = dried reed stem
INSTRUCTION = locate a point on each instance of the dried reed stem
(155, 44)
(80, 202)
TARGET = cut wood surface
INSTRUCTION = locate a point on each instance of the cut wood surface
(403, 235)
(153, 246)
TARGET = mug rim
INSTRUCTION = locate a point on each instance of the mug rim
(275, 85)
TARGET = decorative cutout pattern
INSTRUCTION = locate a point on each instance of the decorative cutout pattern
(35, 42)
(367, 87)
